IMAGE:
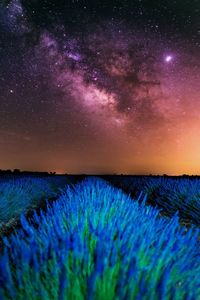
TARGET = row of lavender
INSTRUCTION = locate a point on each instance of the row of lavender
(95, 242)
(173, 195)
(19, 194)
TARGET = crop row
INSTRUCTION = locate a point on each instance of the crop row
(172, 194)
(19, 195)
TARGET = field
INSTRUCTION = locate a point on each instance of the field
(114, 237)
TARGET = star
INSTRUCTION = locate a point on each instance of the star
(168, 58)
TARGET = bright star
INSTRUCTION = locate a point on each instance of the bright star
(168, 58)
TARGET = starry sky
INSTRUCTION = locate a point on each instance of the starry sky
(100, 86)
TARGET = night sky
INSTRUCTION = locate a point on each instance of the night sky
(100, 86)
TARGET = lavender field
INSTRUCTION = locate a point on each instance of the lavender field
(96, 241)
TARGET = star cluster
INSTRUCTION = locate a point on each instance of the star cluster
(100, 88)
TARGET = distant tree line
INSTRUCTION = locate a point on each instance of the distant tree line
(18, 171)
(37, 173)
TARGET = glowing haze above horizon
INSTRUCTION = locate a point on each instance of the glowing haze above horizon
(103, 87)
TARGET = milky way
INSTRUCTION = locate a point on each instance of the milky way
(108, 95)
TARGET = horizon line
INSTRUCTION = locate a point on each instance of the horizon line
(17, 171)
